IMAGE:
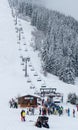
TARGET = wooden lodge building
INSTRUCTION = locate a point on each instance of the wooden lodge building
(28, 101)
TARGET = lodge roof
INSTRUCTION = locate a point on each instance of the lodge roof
(28, 95)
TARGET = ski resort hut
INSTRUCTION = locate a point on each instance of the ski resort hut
(28, 101)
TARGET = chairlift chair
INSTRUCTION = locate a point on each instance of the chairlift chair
(19, 24)
(32, 87)
(39, 79)
(23, 37)
(26, 50)
(18, 42)
(32, 69)
(43, 86)
(22, 63)
(16, 31)
(22, 32)
(24, 44)
(28, 80)
(16, 27)
(23, 69)
(35, 74)
(20, 49)
(30, 65)
(21, 56)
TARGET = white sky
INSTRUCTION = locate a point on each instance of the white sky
(68, 7)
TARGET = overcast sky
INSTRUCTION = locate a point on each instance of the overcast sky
(68, 7)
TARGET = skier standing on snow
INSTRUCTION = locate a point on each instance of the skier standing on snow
(40, 111)
(10, 102)
(23, 115)
(68, 112)
(73, 112)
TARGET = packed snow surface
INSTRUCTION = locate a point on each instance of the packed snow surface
(13, 81)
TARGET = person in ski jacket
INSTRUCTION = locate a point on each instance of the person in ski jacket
(23, 115)
(73, 112)
(68, 112)
(40, 111)
(11, 105)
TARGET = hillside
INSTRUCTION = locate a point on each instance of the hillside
(12, 77)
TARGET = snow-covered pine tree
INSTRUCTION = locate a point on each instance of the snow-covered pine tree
(34, 16)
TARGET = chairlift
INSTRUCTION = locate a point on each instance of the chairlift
(28, 80)
(15, 23)
(19, 20)
(16, 31)
(24, 44)
(32, 87)
(20, 49)
(19, 24)
(30, 65)
(26, 50)
(23, 69)
(23, 37)
(43, 86)
(22, 63)
(20, 29)
(35, 74)
(21, 56)
(22, 32)
(22, 59)
(18, 42)
(16, 28)
(39, 79)
(32, 69)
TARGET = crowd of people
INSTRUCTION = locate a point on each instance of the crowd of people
(13, 103)
(46, 108)
(43, 111)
